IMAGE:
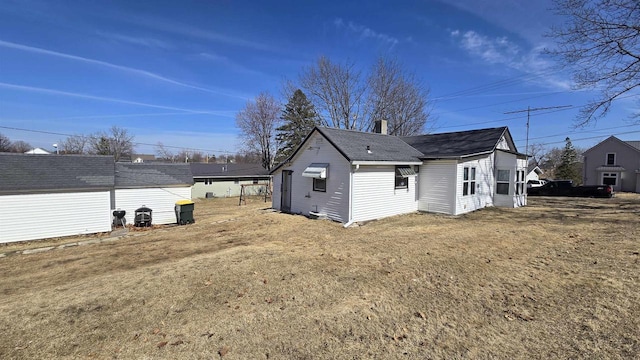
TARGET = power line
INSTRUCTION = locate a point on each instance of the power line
(529, 110)
(134, 143)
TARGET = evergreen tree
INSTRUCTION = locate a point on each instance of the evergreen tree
(569, 168)
(300, 117)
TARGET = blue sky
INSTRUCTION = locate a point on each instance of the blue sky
(178, 72)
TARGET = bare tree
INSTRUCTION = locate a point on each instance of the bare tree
(397, 96)
(20, 146)
(117, 142)
(75, 144)
(600, 41)
(257, 123)
(337, 91)
(5, 143)
(164, 153)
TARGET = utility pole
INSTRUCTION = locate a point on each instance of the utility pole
(529, 110)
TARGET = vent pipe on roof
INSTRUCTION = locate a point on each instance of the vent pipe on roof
(380, 127)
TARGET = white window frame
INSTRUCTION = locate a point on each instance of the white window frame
(610, 175)
(469, 181)
(606, 159)
(400, 182)
(500, 181)
(520, 183)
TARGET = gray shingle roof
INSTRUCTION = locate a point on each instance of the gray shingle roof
(228, 170)
(152, 175)
(635, 144)
(31, 172)
(353, 145)
(456, 144)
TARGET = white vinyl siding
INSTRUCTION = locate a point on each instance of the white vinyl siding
(160, 200)
(334, 203)
(375, 195)
(482, 196)
(437, 186)
(509, 162)
(41, 216)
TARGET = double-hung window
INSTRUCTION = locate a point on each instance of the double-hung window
(611, 159)
(520, 182)
(469, 181)
(502, 182)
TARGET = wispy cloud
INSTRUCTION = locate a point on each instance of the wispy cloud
(129, 70)
(502, 51)
(364, 32)
(105, 99)
(172, 27)
(227, 62)
(136, 40)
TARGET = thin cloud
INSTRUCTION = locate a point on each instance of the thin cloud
(502, 51)
(225, 61)
(126, 69)
(136, 40)
(101, 98)
(365, 32)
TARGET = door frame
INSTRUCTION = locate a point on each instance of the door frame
(285, 193)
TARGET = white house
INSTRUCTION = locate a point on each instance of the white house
(350, 176)
(157, 186)
(44, 196)
(533, 172)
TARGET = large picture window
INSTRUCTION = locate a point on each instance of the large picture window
(502, 182)
(610, 179)
(469, 181)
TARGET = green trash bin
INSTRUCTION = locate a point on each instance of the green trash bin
(184, 212)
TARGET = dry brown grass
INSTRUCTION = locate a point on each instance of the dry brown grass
(556, 279)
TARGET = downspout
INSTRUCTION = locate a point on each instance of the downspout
(351, 221)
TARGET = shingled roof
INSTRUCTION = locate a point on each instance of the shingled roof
(200, 170)
(359, 146)
(457, 144)
(38, 173)
(129, 175)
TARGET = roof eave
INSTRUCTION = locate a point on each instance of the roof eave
(385, 162)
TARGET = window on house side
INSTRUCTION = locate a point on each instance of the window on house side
(402, 182)
(320, 185)
(502, 182)
(609, 179)
(611, 159)
(468, 181)
(255, 181)
(520, 182)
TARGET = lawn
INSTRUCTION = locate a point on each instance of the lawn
(557, 279)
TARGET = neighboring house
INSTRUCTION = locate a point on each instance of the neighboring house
(613, 162)
(156, 186)
(38, 151)
(351, 176)
(224, 180)
(533, 172)
(44, 196)
(141, 158)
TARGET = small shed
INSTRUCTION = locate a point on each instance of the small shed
(44, 196)
(157, 186)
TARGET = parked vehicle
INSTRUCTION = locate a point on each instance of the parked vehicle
(566, 188)
(536, 183)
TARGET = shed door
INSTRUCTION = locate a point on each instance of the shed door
(286, 191)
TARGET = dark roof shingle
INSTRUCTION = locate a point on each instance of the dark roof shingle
(366, 146)
(31, 172)
(456, 144)
(228, 170)
(152, 175)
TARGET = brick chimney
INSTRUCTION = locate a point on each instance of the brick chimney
(380, 127)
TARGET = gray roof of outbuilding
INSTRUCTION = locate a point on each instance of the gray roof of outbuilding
(635, 144)
(228, 170)
(353, 146)
(456, 144)
(152, 175)
(39, 173)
